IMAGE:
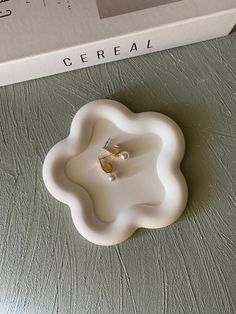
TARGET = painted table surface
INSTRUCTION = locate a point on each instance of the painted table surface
(188, 267)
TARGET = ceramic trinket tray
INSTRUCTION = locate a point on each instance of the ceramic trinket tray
(118, 171)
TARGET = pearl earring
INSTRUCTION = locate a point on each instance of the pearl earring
(115, 150)
(107, 168)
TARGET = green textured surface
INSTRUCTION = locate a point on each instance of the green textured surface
(189, 267)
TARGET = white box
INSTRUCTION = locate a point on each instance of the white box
(44, 37)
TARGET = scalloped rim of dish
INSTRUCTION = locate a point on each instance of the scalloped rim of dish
(78, 199)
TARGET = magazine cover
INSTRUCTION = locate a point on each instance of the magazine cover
(44, 37)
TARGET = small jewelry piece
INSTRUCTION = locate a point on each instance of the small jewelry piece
(115, 150)
(107, 168)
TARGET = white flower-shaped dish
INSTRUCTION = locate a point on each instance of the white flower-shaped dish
(150, 190)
